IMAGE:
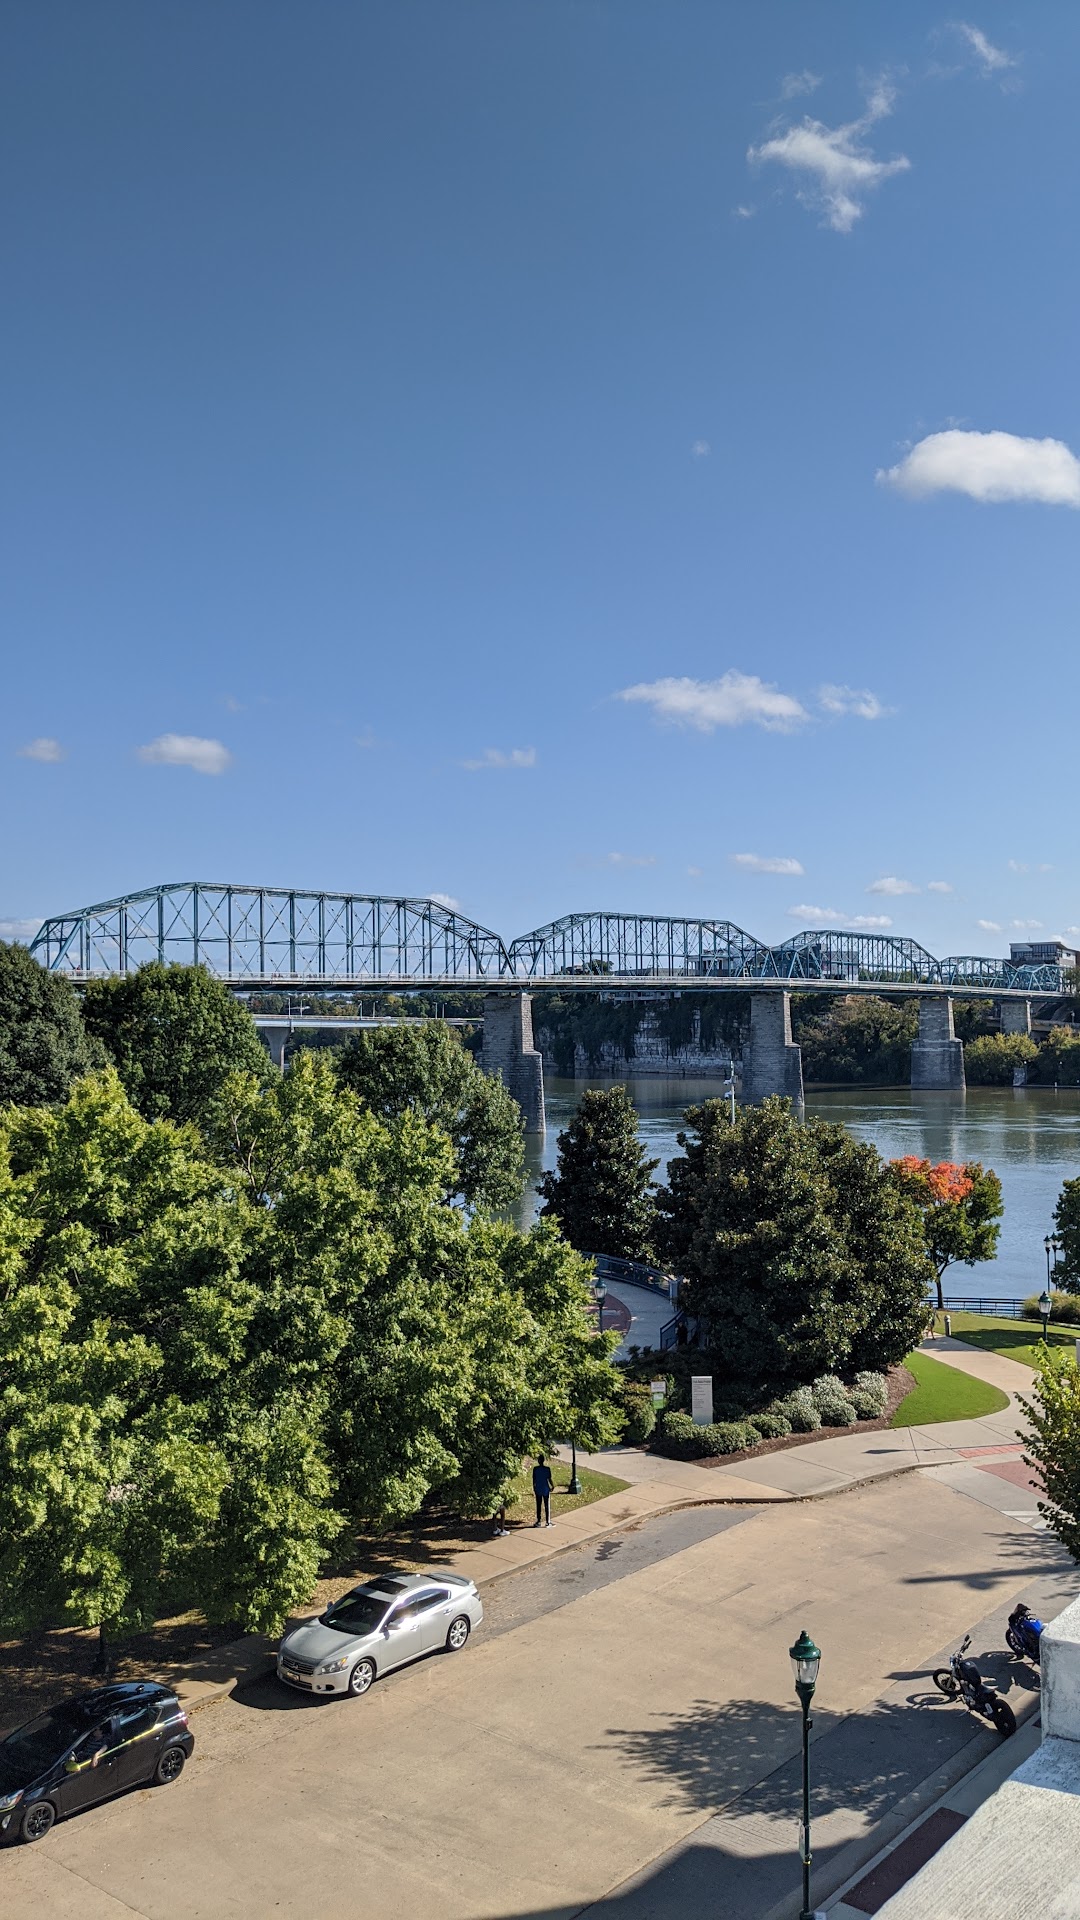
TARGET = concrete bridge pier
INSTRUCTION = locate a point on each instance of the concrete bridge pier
(1016, 1016)
(937, 1057)
(276, 1038)
(772, 1062)
(508, 1051)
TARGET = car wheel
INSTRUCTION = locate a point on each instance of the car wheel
(361, 1678)
(457, 1634)
(37, 1820)
(170, 1766)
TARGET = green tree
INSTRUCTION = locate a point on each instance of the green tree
(991, 1060)
(855, 1037)
(1059, 1056)
(1053, 1442)
(44, 1046)
(425, 1070)
(1067, 1227)
(961, 1210)
(174, 1034)
(602, 1194)
(802, 1254)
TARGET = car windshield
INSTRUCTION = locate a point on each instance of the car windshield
(356, 1613)
(30, 1749)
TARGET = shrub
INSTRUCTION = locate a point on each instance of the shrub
(640, 1413)
(800, 1409)
(832, 1402)
(869, 1395)
(1066, 1307)
(729, 1436)
(772, 1424)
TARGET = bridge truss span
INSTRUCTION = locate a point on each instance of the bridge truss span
(269, 936)
(260, 934)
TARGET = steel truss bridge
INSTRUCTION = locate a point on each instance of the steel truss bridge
(275, 937)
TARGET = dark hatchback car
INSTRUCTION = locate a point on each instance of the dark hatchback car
(88, 1749)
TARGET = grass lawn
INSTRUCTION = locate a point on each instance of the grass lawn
(1016, 1339)
(944, 1393)
(594, 1486)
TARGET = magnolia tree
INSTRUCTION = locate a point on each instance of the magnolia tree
(961, 1208)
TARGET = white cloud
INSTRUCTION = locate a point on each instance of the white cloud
(1026, 926)
(939, 886)
(819, 917)
(816, 916)
(1017, 866)
(991, 59)
(990, 926)
(835, 165)
(495, 757)
(796, 83)
(855, 700)
(701, 449)
(731, 701)
(631, 859)
(743, 213)
(446, 900)
(891, 885)
(22, 930)
(759, 863)
(187, 750)
(49, 751)
(988, 467)
(695, 872)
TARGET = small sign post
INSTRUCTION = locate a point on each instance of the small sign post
(658, 1389)
(701, 1399)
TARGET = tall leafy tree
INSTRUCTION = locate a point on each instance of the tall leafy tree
(174, 1034)
(1067, 1226)
(802, 1254)
(1053, 1442)
(44, 1046)
(602, 1193)
(961, 1208)
(424, 1069)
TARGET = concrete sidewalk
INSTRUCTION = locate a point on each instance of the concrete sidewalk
(656, 1485)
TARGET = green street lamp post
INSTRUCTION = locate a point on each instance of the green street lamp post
(805, 1660)
(601, 1297)
(575, 1483)
(1046, 1307)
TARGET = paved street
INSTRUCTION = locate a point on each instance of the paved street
(622, 1733)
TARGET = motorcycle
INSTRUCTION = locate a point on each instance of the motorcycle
(961, 1679)
(1023, 1633)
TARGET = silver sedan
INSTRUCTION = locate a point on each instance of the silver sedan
(379, 1626)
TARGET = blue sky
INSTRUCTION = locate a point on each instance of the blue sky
(550, 455)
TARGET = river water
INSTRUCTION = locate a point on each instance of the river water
(1029, 1135)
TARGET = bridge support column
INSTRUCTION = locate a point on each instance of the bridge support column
(773, 1063)
(937, 1057)
(509, 1052)
(276, 1038)
(1016, 1016)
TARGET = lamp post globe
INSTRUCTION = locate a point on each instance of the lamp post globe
(1046, 1307)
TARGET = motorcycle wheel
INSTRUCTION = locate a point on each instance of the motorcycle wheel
(1014, 1643)
(1003, 1718)
(946, 1680)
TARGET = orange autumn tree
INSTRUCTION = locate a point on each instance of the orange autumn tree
(961, 1209)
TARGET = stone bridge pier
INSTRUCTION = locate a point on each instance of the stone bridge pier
(937, 1057)
(772, 1063)
(508, 1051)
(1016, 1016)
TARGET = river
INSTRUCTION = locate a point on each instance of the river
(1029, 1135)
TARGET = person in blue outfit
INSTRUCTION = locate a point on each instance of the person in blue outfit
(542, 1485)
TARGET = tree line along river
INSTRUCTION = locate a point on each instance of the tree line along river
(1029, 1135)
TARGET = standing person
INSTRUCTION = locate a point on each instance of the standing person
(542, 1485)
